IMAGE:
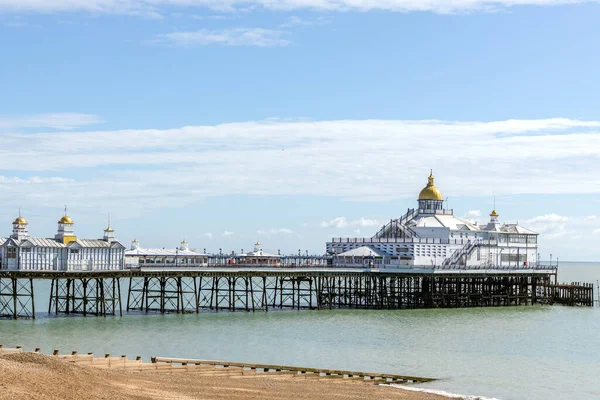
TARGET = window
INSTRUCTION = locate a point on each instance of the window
(514, 257)
(518, 238)
(74, 251)
(11, 252)
(531, 239)
(26, 250)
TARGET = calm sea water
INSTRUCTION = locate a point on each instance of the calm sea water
(505, 353)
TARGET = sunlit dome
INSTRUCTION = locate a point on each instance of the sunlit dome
(430, 192)
(66, 220)
(20, 221)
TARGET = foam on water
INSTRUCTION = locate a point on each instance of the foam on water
(441, 393)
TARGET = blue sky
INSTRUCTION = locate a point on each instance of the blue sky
(295, 121)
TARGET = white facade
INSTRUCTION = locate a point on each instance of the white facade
(64, 252)
(179, 257)
(432, 236)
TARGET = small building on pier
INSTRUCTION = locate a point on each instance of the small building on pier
(258, 257)
(64, 252)
(365, 257)
(433, 236)
(180, 257)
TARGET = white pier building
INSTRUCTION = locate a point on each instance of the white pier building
(64, 252)
(179, 257)
(432, 236)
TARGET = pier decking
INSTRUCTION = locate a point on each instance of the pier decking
(263, 288)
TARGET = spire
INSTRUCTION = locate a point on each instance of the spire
(494, 214)
(109, 229)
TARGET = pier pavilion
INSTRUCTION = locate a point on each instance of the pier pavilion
(433, 236)
(64, 252)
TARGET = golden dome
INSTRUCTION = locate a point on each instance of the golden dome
(66, 220)
(494, 214)
(430, 192)
(20, 221)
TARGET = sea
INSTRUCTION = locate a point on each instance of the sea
(526, 352)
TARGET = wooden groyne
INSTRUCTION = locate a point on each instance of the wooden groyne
(219, 368)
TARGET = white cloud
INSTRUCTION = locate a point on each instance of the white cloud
(353, 160)
(295, 21)
(472, 214)
(34, 180)
(275, 231)
(548, 218)
(572, 237)
(549, 226)
(209, 235)
(227, 234)
(64, 121)
(153, 7)
(338, 222)
(552, 226)
(342, 222)
(228, 37)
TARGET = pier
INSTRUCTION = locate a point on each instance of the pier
(98, 293)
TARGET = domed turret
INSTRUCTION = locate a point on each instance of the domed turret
(66, 220)
(184, 245)
(430, 198)
(66, 229)
(20, 228)
(431, 192)
(20, 221)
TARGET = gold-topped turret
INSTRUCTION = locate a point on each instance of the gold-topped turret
(430, 192)
(20, 221)
(494, 214)
(66, 220)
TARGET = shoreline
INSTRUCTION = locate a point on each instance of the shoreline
(33, 375)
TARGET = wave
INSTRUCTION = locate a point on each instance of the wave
(442, 393)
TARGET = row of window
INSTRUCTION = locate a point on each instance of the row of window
(514, 257)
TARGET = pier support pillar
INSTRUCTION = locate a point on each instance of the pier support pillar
(16, 298)
(86, 296)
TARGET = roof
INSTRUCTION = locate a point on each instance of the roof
(94, 243)
(363, 251)
(42, 242)
(442, 221)
(37, 242)
(514, 228)
(161, 252)
(260, 253)
(47, 242)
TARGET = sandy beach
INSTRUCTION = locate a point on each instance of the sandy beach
(34, 376)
